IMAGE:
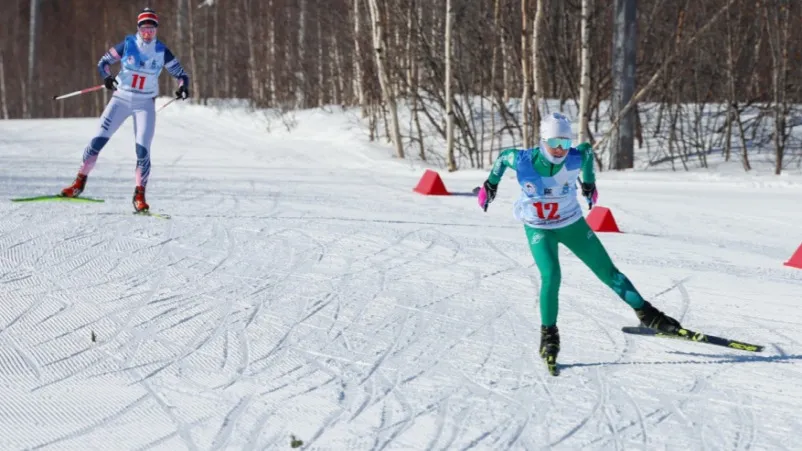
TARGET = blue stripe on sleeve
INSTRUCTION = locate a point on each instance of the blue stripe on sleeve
(174, 67)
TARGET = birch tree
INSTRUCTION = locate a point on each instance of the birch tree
(193, 63)
(584, 83)
(300, 74)
(33, 28)
(379, 45)
(357, 59)
(777, 23)
(525, 72)
(452, 165)
(537, 73)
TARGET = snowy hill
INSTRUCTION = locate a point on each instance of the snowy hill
(302, 288)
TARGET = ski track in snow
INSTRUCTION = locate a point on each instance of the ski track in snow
(303, 289)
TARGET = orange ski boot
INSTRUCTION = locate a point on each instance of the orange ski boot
(76, 188)
(139, 200)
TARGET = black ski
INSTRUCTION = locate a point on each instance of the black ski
(689, 335)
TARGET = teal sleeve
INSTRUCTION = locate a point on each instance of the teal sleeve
(506, 159)
(588, 173)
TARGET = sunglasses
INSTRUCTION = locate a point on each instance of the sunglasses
(565, 143)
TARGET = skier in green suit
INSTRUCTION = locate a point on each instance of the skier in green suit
(551, 214)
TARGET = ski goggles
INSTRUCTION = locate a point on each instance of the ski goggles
(565, 143)
(147, 31)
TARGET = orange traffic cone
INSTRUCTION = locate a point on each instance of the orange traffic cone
(431, 184)
(796, 260)
(601, 219)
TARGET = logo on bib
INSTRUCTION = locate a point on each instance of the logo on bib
(529, 188)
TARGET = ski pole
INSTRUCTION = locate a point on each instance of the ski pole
(82, 91)
(163, 106)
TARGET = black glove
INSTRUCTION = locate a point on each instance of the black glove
(589, 192)
(110, 83)
(489, 190)
(588, 189)
(182, 92)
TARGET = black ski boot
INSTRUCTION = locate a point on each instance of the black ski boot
(550, 347)
(655, 319)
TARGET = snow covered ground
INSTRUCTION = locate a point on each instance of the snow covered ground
(302, 288)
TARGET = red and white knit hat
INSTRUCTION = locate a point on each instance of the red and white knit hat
(147, 15)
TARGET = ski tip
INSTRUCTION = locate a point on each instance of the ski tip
(150, 213)
(637, 330)
(745, 346)
(55, 198)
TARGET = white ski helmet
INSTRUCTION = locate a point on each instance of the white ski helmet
(556, 128)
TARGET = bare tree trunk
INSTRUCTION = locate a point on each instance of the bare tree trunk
(415, 74)
(525, 71)
(33, 28)
(452, 165)
(3, 98)
(337, 71)
(623, 65)
(215, 81)
(359, 89)
(397, 58)
(537, 74)
(731, 101)
(379, 44)
(252, 76)
(584, 84)
(300, 74)
(224, 65)
(416, 117)
(758, 43)
(672, 134)
(778, 40)
(24, 97)
(410, 60)
(206, 56)
(193, 65)
(321, 87)
(505, 70)
(744, 149)
(493, 73)
(273, 62)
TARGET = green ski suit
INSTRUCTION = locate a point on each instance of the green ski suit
(551, 215)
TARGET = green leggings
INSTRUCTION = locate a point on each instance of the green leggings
(583, 242)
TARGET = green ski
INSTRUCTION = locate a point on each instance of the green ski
(56, 198)
(689, 335)
(150, 213)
